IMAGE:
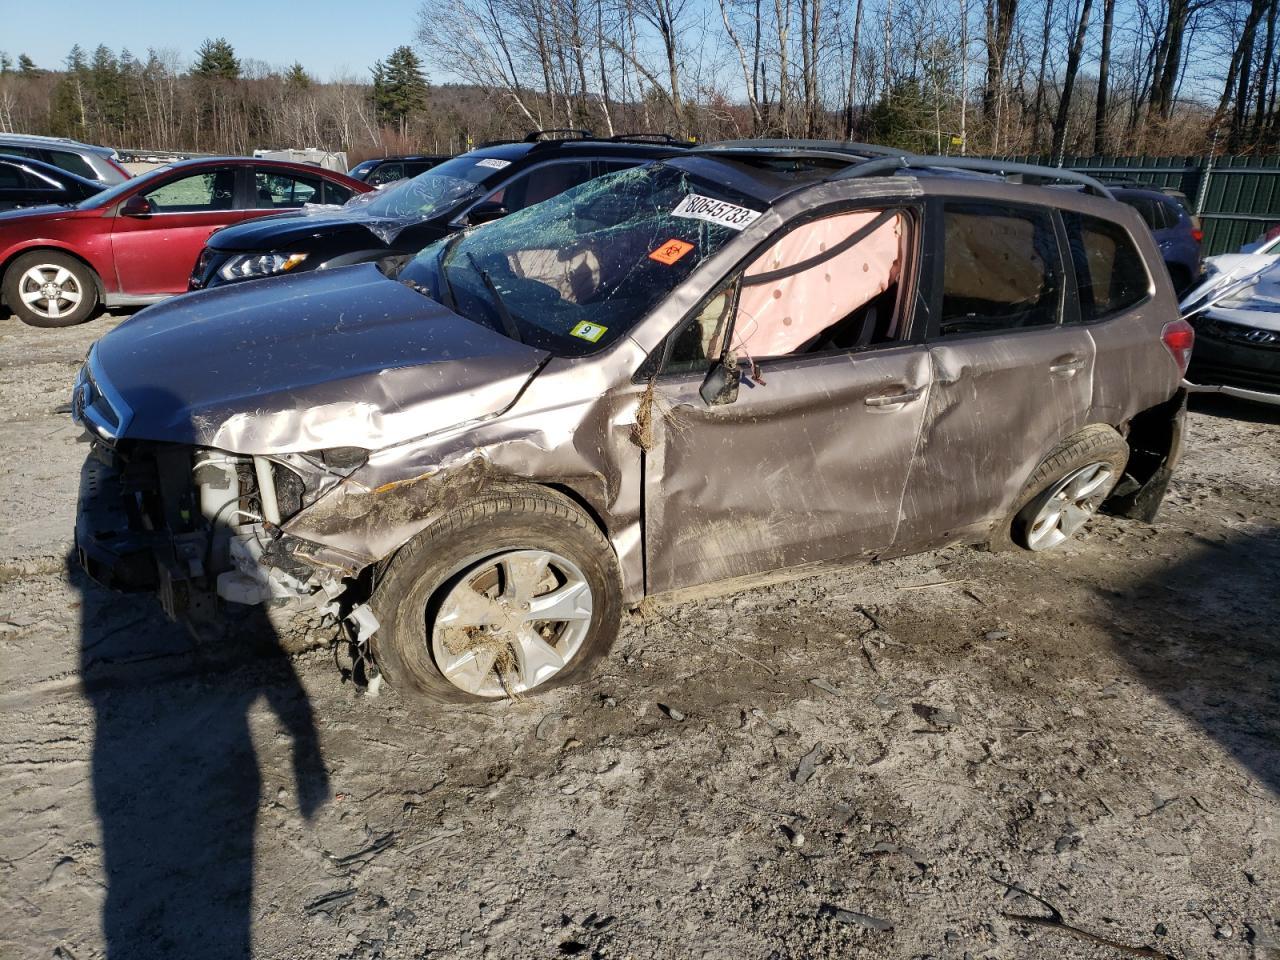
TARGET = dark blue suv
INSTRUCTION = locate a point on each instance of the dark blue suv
(1175, 229)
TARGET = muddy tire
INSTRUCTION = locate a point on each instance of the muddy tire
(512, 594)
(1069, 484)
(49, 289)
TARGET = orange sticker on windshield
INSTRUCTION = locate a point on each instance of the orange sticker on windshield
(671, 251)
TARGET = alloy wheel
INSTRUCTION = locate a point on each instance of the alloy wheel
(1070, 502)
(50, 290)
(511, 622)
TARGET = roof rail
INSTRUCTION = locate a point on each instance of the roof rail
(664, 138)
(536, 136)
(795, 148)
(1000, 168)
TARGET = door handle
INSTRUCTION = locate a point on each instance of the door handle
(1067, 366)
(892, 399)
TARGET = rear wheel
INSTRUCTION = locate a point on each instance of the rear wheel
(48, 289)
(1068, 487)
(511, 594)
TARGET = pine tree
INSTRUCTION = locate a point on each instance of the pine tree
(6, 62)
(27, 66)
(216, 60)
(297, 78)
(399, 87)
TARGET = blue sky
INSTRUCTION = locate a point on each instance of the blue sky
(327, 36)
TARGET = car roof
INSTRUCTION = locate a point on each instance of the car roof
(1150, 193)
(36, 140)
(396, 158)
(622, 147)
(770, 169)
(256, 162)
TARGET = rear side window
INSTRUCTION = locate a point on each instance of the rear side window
(72, 163)
(333, 193)
(1110, 273)
(1001, 269)
(11, 177)
(284, 190)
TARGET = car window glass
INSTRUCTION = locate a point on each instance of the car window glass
(1146, 210)
(11, 178)
(1109, 271)
(702, 339)
(543, 183)
(334, 193)
(1169, 214)
(196, 193)
(19, 151)
(72, 163)
(827, 284)
(387, 173)
(283, 190)
(1000, 269)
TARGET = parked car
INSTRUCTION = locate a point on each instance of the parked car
(136, 242)
(1175, 229)
(30, 183)
(738, 359)
(470, 189)
(380, 171)
(82, 159)
(1238, 325)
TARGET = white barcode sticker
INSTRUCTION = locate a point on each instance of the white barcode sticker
(493, 163)
(697, 207)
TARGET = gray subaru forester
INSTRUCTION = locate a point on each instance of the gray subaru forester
(757, 355)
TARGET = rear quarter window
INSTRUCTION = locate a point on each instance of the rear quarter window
(72, 163)
(1110, 274)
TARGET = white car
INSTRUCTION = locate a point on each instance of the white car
(1236, 313)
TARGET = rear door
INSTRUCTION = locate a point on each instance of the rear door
(154, 252)
(1124, 313)
(810, 460)
(1010, 380)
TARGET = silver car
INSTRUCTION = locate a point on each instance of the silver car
(83, 159)
(749, 357)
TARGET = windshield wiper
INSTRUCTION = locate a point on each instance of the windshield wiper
(508, 321)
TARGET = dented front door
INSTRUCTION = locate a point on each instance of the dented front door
(807, 464)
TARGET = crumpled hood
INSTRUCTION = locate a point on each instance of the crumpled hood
(333, 358)
(278, 231)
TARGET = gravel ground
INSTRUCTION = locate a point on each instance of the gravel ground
(960, 754)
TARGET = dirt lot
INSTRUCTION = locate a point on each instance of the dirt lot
(923, 758)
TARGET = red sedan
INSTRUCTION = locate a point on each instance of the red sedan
(137, 242)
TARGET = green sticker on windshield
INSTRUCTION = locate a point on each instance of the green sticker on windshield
(588, 331)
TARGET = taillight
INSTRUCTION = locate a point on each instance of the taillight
(1179, 337)
(1197, 235)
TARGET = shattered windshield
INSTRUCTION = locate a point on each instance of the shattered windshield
(574, 273)
(432, 193)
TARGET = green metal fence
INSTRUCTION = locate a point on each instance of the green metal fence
(1236, 198)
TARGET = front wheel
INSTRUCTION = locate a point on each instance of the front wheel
(510, 594)
(49, 289)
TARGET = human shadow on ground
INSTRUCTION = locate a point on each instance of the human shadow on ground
(176, 782)
(1203, 635)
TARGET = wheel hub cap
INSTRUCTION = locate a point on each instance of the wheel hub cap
(511, 622)
(1068, 504)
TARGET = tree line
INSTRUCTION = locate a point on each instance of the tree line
(950, 76)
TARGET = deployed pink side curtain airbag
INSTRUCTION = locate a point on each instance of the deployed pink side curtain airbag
(776, 318)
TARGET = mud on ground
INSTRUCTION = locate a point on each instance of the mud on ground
(959, 754)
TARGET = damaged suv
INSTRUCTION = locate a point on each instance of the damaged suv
(751, 356)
